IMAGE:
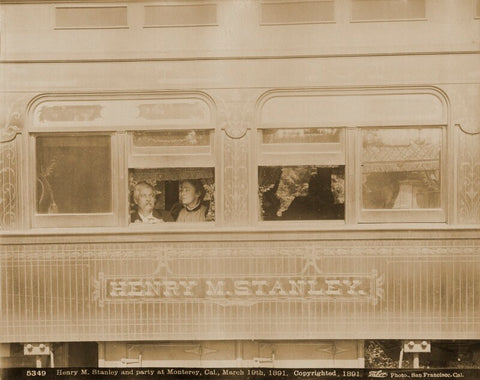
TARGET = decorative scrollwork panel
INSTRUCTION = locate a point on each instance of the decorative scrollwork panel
(468, 178)
(245, 289)
(236, 180)
(9, 185)
(235, 118)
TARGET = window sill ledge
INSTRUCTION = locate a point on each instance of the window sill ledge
(264, 231)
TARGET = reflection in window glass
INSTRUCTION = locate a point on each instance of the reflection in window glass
(192, 137)
(301, 192)
(172, 194)
(401, 168)
(301, 135)
(73, 174)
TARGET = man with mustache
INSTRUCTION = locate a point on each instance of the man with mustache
(144, 198)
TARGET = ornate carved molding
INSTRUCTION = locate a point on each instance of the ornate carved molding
(397, 105)
(466, 112)
(14, 121)
(235, 117)
(9, 184)
(8, 133)
(236, 180)
(12, 125)
(367, 284)
(122, 109)
(468, 178)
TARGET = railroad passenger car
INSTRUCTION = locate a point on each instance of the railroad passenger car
(238, 183)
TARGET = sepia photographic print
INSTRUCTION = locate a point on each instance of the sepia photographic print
(239, 189)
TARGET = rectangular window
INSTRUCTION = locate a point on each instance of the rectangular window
(175, 138)
(171, 176)
(301, 174)
(86, 180)
(89, 167)
(191, 147)
(297, 12)
(301, 192)
(190, 141)
(91, 17)
(172, 195)
(73, 179)
(401, 174)
(302, 146)
(180, 15)
(301, 136)
(397, 174)
(388, 10)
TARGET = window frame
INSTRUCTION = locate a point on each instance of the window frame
(301, 153)
(120, 164)
(119, 118)
(283, 157)
(431, 215)
(109, 219)
(160, 158)
(354, 213)
(173, 156)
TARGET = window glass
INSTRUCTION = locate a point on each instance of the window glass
(73, 174)
(401, 168)
(301, 135)
(301, 192)
(172, 195)
(191, 137)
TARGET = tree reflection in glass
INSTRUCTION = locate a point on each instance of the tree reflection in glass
(401, 168)
(301, 192)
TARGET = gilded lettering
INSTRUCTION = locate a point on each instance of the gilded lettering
(242, 288)
(333, 288)
(312, 289)
(118, 288)
(171, 288)
(260, 285)
(188, 285)
(319, 287)
(217, 289)
(297, 287)
(136, 289)
(352, 287)
(277, 289)
(153, 288)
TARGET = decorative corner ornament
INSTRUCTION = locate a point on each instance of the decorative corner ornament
(12, 128)
(14, 123)
(468, 130)
(235, 118)
(312, 260)
(9, 133)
